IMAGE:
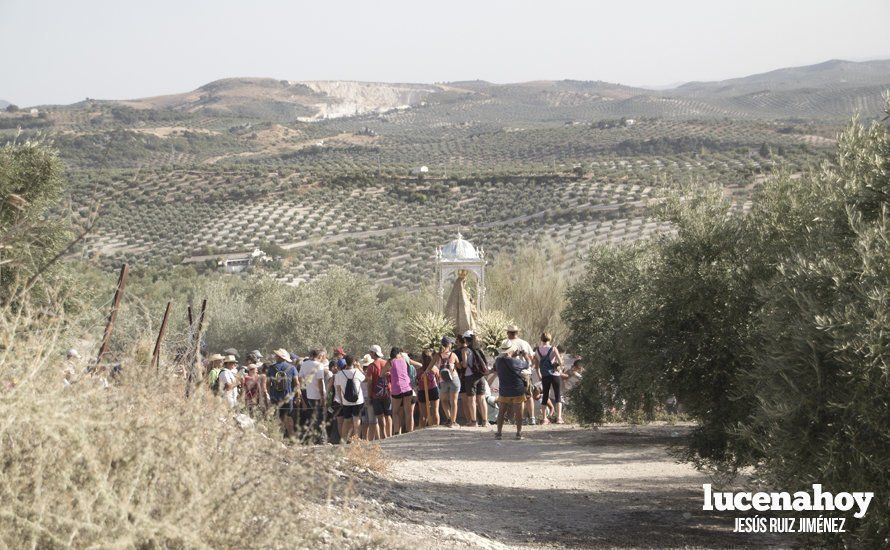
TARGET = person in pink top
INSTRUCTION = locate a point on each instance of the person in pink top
(402, 392)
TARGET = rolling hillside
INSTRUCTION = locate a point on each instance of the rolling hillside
(832, 90)
(835, 74)
(284, 100)
(326, 173)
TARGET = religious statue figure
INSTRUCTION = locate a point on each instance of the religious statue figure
(458, 259)
(459, 307)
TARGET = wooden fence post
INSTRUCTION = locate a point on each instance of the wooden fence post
(109, 326)
(194, 358)
(156, 354)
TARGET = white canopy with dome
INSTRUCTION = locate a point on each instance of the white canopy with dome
(457, 256)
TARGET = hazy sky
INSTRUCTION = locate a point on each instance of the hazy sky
(63, 51)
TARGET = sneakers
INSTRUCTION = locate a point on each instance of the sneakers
(518, 437)
(498, 437)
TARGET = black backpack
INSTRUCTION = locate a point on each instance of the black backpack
(480, 362)
(350, 392)
(279, 381)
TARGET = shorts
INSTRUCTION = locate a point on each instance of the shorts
(368, 416)
(351, 411)
(285, 408)
(434, 395)
(382, 407)
(474, 385)
(408, 393)
(512, 399)
(449, 386)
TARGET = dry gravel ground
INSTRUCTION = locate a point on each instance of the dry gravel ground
(561, 487)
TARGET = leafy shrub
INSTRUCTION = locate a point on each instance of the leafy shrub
(425, 329)
(770, 328)
(30, 183)
(491, 329)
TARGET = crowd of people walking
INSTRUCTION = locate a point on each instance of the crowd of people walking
(375, 395)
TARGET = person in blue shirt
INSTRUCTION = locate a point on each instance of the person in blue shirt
(514, 371)
(283, 385)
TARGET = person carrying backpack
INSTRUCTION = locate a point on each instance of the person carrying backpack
(283, 383)
(476, 367)
(214, 363)
(347, 384)
(546, 362)
(381, 398)
(449, 388)
(428, 379)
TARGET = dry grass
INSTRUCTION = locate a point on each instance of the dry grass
(367, 454)
(138, 465)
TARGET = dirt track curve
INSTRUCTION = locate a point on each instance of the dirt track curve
(562, 486)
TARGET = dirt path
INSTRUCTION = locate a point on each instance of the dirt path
(562, 486)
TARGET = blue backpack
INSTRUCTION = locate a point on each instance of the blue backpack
(546, 362)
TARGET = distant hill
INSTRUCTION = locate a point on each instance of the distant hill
(267, 98)
(4, 104)
(835, 75)
(830, 91)
(243, 162)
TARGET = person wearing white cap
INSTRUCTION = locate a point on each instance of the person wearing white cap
(369, 425)
(228, 382)
(381, 398)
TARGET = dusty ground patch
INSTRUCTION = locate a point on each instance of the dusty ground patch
(563, 486)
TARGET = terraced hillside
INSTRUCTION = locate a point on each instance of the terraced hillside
(329, 173)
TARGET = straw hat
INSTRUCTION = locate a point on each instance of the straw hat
(512, 328)
(282, 353)
(506, 345)
(229, 359)
(366, 360)
(215, 357)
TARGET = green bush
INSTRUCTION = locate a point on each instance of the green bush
(425, 329)
(30, 184)
(770, 328)
(491, 330)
